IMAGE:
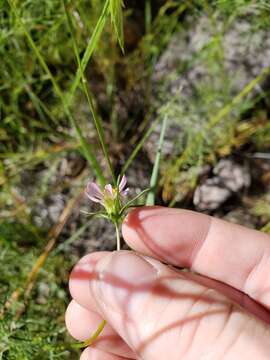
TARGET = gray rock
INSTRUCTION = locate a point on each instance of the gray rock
(210, 195)
(229, 178)
(232, 175)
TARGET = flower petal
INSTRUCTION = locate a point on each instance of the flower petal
(109, 189)
(94, 199)
(123, 183)
(93, 192)
(124, 192)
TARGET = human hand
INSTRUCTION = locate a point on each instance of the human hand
(220, 309)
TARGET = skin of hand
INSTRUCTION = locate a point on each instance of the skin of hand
(218, 307)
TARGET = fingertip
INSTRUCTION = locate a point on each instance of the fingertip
(82, 324)
(86, 354)
(135, 215)
(132, 229)
(171, 235)
(82, 273)
(79, 321)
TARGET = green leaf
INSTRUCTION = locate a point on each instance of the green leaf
(116, 11)
(91, 46)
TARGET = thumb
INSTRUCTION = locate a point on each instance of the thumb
(162, 313)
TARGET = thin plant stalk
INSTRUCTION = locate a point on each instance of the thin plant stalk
(118, 240)
(96, 334)
(89, 96)
(148, 16)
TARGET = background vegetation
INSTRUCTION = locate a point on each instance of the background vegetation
(202, 65)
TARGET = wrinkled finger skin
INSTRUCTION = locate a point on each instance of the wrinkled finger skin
(158, 311)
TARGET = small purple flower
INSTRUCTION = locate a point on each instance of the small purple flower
(108, 195)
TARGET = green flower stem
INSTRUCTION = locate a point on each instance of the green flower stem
(118, 240)
(96, 334)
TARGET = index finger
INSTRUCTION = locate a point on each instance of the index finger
(226, 252)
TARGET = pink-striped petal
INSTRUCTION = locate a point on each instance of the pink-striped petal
(94, 189)
(123, 183)
(93, 192)
(94, 199)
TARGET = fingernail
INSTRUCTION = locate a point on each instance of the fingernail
(124, 280)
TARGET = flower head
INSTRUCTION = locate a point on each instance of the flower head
(109, 196)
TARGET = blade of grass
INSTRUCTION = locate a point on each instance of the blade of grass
(138, 148)
(86, 147)
(148, 16)
(91, 45)
(150, 200)
(117, 20)
(88, 94)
